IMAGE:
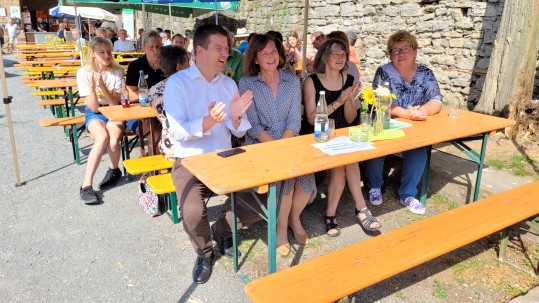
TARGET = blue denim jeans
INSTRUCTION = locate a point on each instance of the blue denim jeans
(414, 162)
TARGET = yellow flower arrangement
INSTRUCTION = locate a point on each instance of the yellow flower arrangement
(119, 59)
(380, 100)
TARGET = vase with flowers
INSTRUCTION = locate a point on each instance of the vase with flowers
(379, 100)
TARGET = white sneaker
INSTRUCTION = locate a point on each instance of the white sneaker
(414, 205)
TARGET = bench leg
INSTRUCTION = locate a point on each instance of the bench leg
(480, 167)
(502, 253)
(174, 208)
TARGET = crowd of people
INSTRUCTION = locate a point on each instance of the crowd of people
(207, 90)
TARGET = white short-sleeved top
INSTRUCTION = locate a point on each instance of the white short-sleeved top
(113, 80)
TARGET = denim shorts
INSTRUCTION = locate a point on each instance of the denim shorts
(90, 115)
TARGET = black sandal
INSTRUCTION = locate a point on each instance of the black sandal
(368, 221)
(332, 225)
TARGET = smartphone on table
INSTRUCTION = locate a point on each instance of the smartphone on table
(230, 152)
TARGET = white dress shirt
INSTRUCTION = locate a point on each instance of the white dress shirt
(123, 46)
(187, 97)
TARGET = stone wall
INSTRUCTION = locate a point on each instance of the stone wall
(455, 36)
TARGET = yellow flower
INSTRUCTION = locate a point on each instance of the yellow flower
(393, 96)
(120, 58)
(368, 95)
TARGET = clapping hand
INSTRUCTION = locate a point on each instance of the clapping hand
(239, 104)
(217, 111)
(348, 95)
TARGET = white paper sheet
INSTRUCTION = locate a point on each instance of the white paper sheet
(342, 145)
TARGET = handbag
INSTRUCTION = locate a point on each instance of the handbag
(148, 200)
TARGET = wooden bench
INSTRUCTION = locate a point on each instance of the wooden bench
(163, 185)
(57, 102)
(335, 275)
(147, 164)
(49, 93)
(66, 121)
(73, 133)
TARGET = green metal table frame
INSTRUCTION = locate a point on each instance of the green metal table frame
(477, 158)
(270, 214)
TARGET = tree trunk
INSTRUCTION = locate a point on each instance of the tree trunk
(509, 82)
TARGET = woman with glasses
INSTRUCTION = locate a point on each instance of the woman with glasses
(330, 75)
(276, 114)
(418, 96)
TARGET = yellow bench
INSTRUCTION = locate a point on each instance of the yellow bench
(147, 164)
(337, 274)
(49, 93)
(163, 185)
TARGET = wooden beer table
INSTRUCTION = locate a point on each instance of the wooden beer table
(265, 164)
(135, 111)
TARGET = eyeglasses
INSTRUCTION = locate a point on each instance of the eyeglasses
(403, 50)
(338, 56)
(319, 38)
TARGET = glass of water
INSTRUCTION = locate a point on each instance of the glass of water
(454, 108)
(331, 132)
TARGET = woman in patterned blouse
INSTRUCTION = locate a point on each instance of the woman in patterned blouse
(330, 65)
(276, 114)
(418, 97)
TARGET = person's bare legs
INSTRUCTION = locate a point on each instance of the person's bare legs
(299, 201)
(282, 222)
(353, 179)
(115, 130)
(337, 180)
(101, 140)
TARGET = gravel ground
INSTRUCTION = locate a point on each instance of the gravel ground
(54, 248)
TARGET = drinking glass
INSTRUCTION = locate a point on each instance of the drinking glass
(364, 132)
(454, 107)
(331, 132)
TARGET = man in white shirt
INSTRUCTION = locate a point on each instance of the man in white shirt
(79, 42)
(13, 31)
(165, 39)
(122, 44)
(204, 107)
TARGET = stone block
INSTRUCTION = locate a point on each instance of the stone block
(465, 64)
(464, 25)
(441, 11)
(441, 25)
(348, 10)
(456, 42)
(410, 10)
(369, 11)
(376, 2)
(375, 53)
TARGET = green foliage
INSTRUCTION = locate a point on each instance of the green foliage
(519, 165)
(439, 289)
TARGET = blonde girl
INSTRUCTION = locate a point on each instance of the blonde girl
(99, 80)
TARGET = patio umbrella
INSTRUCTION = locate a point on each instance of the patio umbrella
(61, 11)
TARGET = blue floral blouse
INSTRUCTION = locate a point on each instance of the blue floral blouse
(422, 88)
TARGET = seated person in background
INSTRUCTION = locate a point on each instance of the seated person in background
(171, 60)
(39, 25)
(111, 34)
(418, 96)
(330, 66)
(122, 44)
(165, 39)
(149, 63)
(178, 40)
(79, 43)
(234, 63)
(317, 39)
(101, 32)
(352, 68)
(100, 80)
(204, 107)
(294, 52)
(354, 56)
(276, 114)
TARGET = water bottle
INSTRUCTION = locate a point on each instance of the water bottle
(321, 121)
(125, 96)
(387, 112)
(143, 90)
